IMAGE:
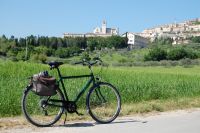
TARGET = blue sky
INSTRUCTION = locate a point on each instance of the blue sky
(54, 17)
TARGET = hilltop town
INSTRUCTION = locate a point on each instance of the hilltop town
(179, 32)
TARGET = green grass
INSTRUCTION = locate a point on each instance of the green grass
(137, 85)
(111, 57)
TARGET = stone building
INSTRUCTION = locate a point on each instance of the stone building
(135, 40)
(102, 31)
(179, 32)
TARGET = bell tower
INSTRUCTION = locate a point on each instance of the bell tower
(104, 26)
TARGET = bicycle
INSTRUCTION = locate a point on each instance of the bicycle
(103, 100)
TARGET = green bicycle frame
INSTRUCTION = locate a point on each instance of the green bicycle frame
(61, 78)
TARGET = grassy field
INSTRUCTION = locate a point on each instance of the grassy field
(142, 89)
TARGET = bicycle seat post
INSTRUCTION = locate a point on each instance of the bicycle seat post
(56, 65)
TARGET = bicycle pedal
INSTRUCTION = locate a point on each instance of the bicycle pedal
(80, 114)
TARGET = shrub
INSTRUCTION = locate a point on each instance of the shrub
(195, 62)
(177, 54)
(10, 53)
(196, 39)
(186, 62)
(174, 63)
(165, 63)
(85, 55)
(42, 58)
(21, 56)
(181, 53)
(39, 58)
(156, 54)
(192, 54)
(62, 52)
(152, 63)
(123, 60)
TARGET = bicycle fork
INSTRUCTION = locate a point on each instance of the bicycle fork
(99, 95)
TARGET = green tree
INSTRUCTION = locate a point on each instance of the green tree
(86, 56)
(177, 54)
(32, 40)
(43, 41)
(81, 42)
(21, 56)
(116, 42)
(196, 39)
(22, 42)
(53, 42)
(62, 52)
(39, 58)
(4, 45)
(156, 54)
(41, 50)
(92, 43)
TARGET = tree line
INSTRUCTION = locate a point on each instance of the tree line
(162, 49)
(38, 47)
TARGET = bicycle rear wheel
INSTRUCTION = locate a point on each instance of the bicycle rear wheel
(37, 109)
(103, 103)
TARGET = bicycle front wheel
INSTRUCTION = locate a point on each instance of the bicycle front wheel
(42, 111)
(103, 103)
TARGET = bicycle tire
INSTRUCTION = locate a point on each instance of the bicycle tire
(101, 101)
(31, 116)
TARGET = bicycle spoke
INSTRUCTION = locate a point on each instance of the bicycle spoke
(38, 111)
(104, 103)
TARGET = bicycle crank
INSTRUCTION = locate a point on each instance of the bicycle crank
(71, 107)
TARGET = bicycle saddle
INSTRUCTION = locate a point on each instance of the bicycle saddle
(55, 64)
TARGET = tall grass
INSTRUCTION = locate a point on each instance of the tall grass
(136, 84)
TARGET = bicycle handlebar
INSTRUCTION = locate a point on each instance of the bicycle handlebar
(89, 63)
(55, 64)
(78, 63)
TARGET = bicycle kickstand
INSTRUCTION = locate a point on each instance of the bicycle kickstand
(65, 118)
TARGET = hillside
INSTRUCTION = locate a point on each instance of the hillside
(179, 32)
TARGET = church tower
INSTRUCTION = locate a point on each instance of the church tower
(103, 28)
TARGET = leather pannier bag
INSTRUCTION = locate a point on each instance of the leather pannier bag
(44, 86)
